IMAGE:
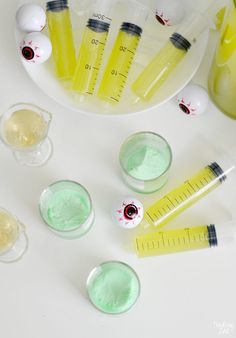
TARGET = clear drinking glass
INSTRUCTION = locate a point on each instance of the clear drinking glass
(24, 129)
(145, 160)
(66, 208)
(113, 287)
(13, 238)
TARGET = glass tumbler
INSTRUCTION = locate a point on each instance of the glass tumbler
(113, 287)
(24, 129)
(13, 238)
(66, 208)
(145, 160)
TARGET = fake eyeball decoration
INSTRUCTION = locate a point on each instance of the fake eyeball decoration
(128, 212)
(169, 12)
(193, 100)
(31, 18)
(36, 48)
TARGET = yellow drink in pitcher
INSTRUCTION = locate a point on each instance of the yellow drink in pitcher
(222, 78)
(120, 62)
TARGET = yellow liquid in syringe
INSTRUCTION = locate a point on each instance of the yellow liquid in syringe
(89, 61)
(118, 67)
(61, 36)
(172, 241)
(184, 196)
(157, 72)
(25, 128)
(8, 231)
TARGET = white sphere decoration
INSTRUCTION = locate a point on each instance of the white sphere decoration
(127, 212)
(169, 12)
(31, 18)
(36, 48)
(193, 100)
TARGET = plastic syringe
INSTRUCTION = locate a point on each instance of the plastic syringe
(122, 55)
(186, 239)
(192, 190)
(61, 36)
(169, 57)
(92, 48)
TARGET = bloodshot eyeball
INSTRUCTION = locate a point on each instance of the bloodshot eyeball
(127, 212)
(169, 12)
(36, 48)
(31, 18)
(193, 100)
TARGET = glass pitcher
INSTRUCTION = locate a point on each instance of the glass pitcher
(222, 77)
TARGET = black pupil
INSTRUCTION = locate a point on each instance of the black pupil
(160, 20)
(28, 53)
(131, 211)
(184, 108)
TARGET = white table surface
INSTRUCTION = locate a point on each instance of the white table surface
(43, 295)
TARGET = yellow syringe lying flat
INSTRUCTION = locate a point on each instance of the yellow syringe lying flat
(193, 189)
(178, 240)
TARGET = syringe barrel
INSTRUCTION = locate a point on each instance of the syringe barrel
(185, 239)
(137, 14)
(122, 55)
(92, 48)
(192, 190)
(225, 233)
(61, 36)
(192, 27)
(102, 10)
(169, 57)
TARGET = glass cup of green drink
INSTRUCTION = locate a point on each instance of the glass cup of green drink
(145, 160)
(24, 129)
(13, 238)
(66, 208)
(113, 287)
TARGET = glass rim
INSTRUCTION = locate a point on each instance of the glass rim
(54, 184)
(92, 272)
(153, 134)
(30, 105)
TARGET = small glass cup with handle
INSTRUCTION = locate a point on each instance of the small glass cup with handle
(24, 129)
(13, 238)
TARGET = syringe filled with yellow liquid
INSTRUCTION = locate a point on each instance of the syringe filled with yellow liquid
(192, 190)
(61, 36)
(169, 57)
(186, 239)
(92, 48)
(122, 55)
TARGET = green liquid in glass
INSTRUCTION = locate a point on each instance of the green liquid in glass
(67, 210)
(113, 287)
(147, 163)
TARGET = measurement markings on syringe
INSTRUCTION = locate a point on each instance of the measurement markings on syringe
(188, 234)
(123, 75)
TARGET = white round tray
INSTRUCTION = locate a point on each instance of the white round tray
(153, 38)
